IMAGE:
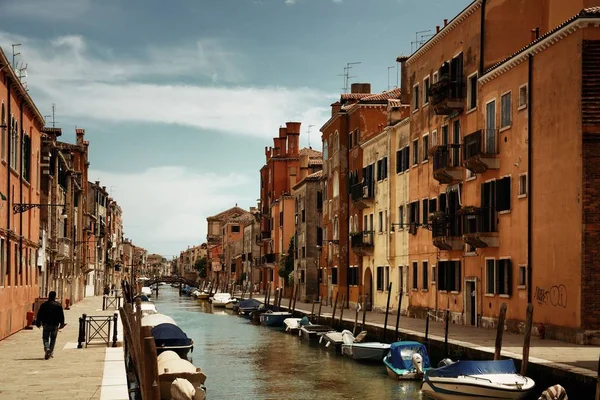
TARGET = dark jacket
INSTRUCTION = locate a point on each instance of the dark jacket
(50, 312)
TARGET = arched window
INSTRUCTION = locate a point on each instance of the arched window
(325, 150)
(336, 184)
(355, 228)
(351, 227)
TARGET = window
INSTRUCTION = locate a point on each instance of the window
(426, 90)
(235, 228)
(435, 77)
(334, 276)
(425, 147)
(433, 274)
(503, 194)
(434, 140)
(413, 217)
(522, 185)
(504, 277)
(415, 275)
(335, 228)
(445, 135)
(490, 128)
(425, 275)
(402, 160)
(433, 205)
(522, 96)
(456, 143)
(416, 97)
(490, 275)
(448, 276)
(350, 137)
(522, 276)
(380, 279)
(380, 221)
(382, 171)
(302, 276)
(353, 276)
(325, 150)
(303, 252)
(505, 110)
(472, 91)
(415, 152)
(336, 184)
(401, 216)
(14, 142)
(425, 210)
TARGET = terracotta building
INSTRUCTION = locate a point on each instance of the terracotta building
(486, 144)
(20, 126)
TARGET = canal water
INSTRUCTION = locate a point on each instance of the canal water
(245, 361)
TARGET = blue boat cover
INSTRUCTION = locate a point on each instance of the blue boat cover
(250, 303)
(169, 335)
(474, 368)
(402, 352)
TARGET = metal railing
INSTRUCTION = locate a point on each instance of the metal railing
(480, 143)
(97, 328)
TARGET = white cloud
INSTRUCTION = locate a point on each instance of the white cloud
(89, 82)
(338, 1)
(290, 1)
(165, 208)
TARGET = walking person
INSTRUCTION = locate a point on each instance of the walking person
(52, 318)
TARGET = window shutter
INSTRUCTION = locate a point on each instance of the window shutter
(398, 161)
(508, 265)
(499, 275)
(458, 276)
(385, 166)
(503, 194)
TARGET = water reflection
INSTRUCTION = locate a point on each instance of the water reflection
(254, 362)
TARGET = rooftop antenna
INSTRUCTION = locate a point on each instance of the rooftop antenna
(388, 68)
(308, 133)
(14, 54)
(347, 76)
(414, 46)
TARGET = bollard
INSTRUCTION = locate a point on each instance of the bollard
(67, 304)
(115, 318)
(103, 302)
(81, 337)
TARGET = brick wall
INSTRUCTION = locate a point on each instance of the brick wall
(590, 274)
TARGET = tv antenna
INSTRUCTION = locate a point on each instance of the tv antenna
(14, 54)
(48, 116)
(308, 133)
(388, 68)
(419, 41)
(347, 76)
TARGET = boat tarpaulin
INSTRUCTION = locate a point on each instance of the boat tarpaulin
(474, 368)
(402, 352)
(169, 335)
(250, 303)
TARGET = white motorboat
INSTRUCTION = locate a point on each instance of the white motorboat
(148, 308)
(171, 367)
(292, 325)
(146, 291)
(370, 351)
(334, 340)
(221, 299)
(156, 319)
(203, 295)
(460, 380)
(232, 303)
(314, 332)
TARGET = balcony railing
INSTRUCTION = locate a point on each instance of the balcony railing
(266, 235)
(447, 95)
(362, 195)
(356, 192)
(480, 226)
(480, 149)
(446, 163)
(269, 258)
(362, 239)
(446, 231)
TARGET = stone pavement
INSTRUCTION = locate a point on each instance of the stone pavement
(95, 372)
(571, 357)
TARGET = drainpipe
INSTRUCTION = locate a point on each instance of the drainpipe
(482, 39)
(20, 155)
(8, 191)
(529, 169)
(347, 221)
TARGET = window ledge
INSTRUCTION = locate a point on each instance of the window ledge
(443, 291)
(521, 287)
(503, 212)
(415, 110)
(424, 290)
(489, 295)
(425, 161)
(471, 110)
(433, 283)
(505, 128)
(504, 296)
(524, 106)
(454, 292)
(415, 165)
(470, 254)
(522, 196)
(425, 104)
(471, 178)
(3, 161)
(415, 289)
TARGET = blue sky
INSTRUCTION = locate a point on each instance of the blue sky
(180, 98)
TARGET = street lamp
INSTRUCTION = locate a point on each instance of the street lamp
(22, 207)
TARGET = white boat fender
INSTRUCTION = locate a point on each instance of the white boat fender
(555, 392)
(182, 389)
(417, 362)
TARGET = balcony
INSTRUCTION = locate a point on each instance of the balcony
(446, 231)
(265, 235)
(64, 248)
(362, 242)
(362, 196)
(480, 150)
(446, 164)
(269, 258)
(480, 227)
(447, 95)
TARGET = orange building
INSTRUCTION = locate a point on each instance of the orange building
(20, 126)
(499, 144)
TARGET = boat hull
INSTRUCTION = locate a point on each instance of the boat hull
(203, 296)
(459, 389)
(366, 353)
(182, 351)
(273, 319)
(217, 303)
(313, 333)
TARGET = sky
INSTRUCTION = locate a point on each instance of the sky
(179, 98)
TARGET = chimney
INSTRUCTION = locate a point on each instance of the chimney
(445, 21)
(80, 134)
(360, 88)
(293, 136)
(335, 108)
(282, 132)
(437, 28)
(405, 94)
(97, 183)
(276, 149)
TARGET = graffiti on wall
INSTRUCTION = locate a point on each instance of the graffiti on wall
(556, 296)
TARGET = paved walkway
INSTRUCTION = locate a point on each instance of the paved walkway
(95, 372)
(567, 356)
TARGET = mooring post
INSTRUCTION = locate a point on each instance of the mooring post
(280, 298)
(427, 329)
(528, 324)
(157, 285)
(446, 332)
(364, 312)
(291, 298)
(387, 310)
(104, 302)
(356, 318)
(180, 288)
(295, 298)
(81, 337)
(312, 311)
(342, 310)
(500, 332)
(598, 381)
(398, 316)
(320, 306)
(114, 341)
(334, 307)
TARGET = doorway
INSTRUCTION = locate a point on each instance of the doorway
(471, 302)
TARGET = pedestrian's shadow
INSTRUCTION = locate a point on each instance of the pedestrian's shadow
(29, 359)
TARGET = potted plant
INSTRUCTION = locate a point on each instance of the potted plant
(468, 210)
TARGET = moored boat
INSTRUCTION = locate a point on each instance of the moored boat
(369, 351)
(146, 291)
(497, 379)
(293, 325)
(221, 299)
(247, 307)
(334, 340)
(171, 367)
(274, 318)
(147, 308)
(231, 304)
(407, 360)
(203, 295)
(313, 333)
(157, 319)
(171, 337)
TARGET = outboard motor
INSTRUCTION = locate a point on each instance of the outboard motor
(444, 362)
(417, 362)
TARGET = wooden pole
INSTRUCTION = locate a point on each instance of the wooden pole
(342, 311)
(312, 311)
(500, 331)
(295, 299)
(427, 329)
(528, 324)
(446, 333)
(291, 297)
(387, 310)
(598, 381)
(355, 319)
(320, 306)
(268, 296)
(276, 302)
(398, 316)
(151, 369)
(364, 312)
(334, 307)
